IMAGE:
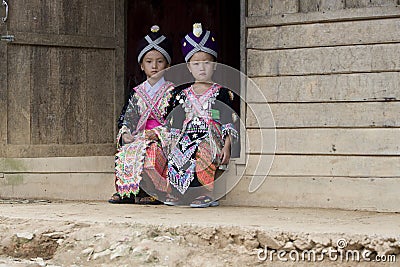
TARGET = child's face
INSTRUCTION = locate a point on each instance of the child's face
(202, 66)
(153, 62)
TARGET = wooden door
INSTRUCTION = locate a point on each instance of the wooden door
(62, 78)
(3, 81)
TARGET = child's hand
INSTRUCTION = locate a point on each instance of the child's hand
(127, 138)
(225, 154)
(226, 151)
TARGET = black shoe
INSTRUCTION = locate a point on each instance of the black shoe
(117, 199)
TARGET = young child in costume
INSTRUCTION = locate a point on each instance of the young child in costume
(140, 160)
(204, 135)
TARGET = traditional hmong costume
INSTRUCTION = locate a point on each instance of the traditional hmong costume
(207, 120)
(146, 111)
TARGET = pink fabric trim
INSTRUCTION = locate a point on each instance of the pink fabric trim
(152, 123)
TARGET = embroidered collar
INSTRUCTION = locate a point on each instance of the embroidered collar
(201, 104)
(151, 90)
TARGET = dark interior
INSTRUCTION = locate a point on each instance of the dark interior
(175, 18)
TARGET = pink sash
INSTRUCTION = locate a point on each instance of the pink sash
(152, 123)
(152, 106)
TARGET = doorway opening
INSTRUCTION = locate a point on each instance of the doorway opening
(175, 19)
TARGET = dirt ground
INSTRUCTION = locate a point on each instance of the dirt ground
(44, 233)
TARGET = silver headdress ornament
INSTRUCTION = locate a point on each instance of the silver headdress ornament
(197, 29)
(154, 28)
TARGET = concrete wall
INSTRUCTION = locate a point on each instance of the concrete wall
(330, 72)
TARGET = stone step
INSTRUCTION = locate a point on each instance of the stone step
(97, 233)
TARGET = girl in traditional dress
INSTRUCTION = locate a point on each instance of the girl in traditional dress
(205, 135)
(140, 161)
